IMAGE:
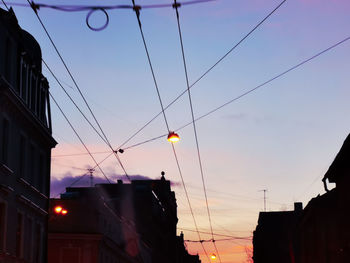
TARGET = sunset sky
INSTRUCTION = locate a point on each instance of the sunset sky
(281, 137)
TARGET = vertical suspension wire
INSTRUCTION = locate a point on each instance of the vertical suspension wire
(176, 6)
(207, 71)
(77, 86)
(137, 12)
(189, 203)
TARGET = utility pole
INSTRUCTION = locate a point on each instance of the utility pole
(91, 171)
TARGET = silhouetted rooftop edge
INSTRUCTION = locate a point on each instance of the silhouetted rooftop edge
(341, 164)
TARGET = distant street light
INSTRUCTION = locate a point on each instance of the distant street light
(213, 256)
(64, 212)
(173, 137)
(58, 209)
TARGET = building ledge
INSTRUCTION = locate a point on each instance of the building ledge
(5, 170)
(32, 205)
(6, 189)
(31, 187)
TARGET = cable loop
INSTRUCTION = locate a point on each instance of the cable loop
(97, 28)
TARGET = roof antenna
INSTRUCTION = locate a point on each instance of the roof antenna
(264, 190)
(91, 171)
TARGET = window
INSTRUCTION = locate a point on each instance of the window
(8, 60)
(29, 239)
(43, 97)
(32, 91)
(32, 160)
(24, 80)
(37, 243)
(22, 156)
(41, 175)
(5, 142)
(2, 226)
(19, 235)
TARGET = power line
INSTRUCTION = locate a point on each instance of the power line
(80, 139)
(249, 91)
(70, 124)
(176, 6)
(205, 73)
(93, 8)
(74, 182)
(188, 200)
(5, 5)
(76, 85)
(209, 240)
(76, 154)
(216, 234)
(71, 99)
(78, 8)
(137, 12)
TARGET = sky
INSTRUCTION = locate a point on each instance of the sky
(282, 137)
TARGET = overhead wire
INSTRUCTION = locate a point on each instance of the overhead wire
(77, 86)
(76, 154)
(215, 234)
(73, 183)
(209, 240)
(206, 72)
(78, 8)
(248, 91)
(80, 139)
(71, 99)
(137, 13)
(5, 5)
(176, 6)
(70, 124)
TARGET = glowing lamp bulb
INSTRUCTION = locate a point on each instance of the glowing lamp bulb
(173, 137)
(213, 256)
(64, 212)
(58, 209)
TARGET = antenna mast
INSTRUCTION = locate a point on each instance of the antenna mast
(91, 171)
(264, 190)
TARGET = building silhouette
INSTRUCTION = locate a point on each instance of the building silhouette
(25, 145)
(325, 225)
(182, 255)
(115, 223)
(318, 234)
(274, 240)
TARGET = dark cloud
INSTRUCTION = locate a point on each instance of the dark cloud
(58, 186)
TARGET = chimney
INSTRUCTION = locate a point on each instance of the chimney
(298, 206)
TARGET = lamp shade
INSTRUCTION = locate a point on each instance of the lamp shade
(173, 137)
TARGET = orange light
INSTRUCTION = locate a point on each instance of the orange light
(213, 256)
(64, 212)
(58, 209)
(173, 137)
